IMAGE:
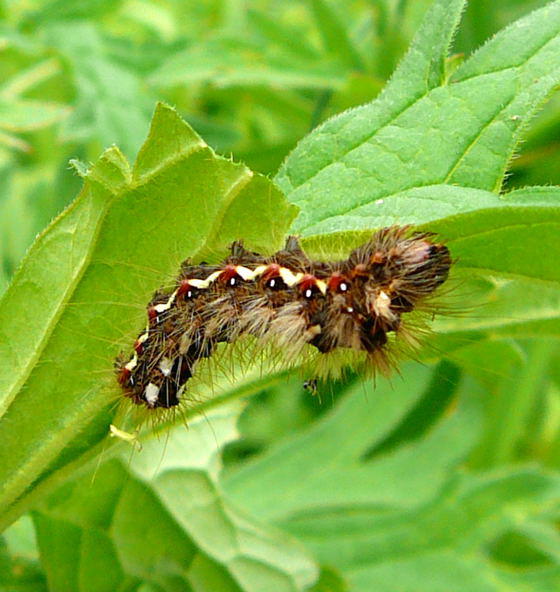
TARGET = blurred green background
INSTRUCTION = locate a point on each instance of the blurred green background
(251, 76)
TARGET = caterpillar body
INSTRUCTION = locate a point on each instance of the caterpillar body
(286, 300)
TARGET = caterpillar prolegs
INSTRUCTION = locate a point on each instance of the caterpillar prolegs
(285, 300)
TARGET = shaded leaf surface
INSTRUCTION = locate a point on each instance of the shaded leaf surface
(403, 519)
(457, 541)
(163, 521)
(325, 466)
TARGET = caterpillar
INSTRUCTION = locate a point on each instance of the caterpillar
(286, 300)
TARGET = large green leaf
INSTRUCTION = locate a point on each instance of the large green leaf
(80, 294)
(424, 130)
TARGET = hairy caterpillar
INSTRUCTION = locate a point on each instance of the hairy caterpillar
(286, 300)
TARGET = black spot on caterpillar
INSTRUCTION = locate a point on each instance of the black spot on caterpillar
(286, 300)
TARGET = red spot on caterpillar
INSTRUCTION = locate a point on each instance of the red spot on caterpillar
(229, 276)
(308, 286)
(186, 290)
(123, 375)
(338, 283)
(138, 346)
(272, 271)
(307, 281)
(152, 314)
(184, 287)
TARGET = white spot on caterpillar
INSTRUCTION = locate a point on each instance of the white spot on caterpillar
(132, 364)
(308, 293)
(167, 305)
(258, 271)
(244, 273)
(199, 284)
(322, 286)
(203, 284)
(212, 278)
(165, 366)
(290, 278)
(343, 287)
(382, 306)
(151, 394)
(143, 338)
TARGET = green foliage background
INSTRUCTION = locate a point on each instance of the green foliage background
(444, 478)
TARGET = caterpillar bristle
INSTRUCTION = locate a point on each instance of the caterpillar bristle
(365, 309)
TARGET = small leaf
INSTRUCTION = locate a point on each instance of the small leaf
(335, 36)
(229, 62)
(24, 115)
(111, 106)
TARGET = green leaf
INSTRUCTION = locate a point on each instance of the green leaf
(186, 535)
(111, 106)
(80, 295)
(335, 35)
(534, 211)
(506, 309)
(327, 466)
(59, 10)
(458, 541)
(227, 62)
(23, 115)
(424, 131)
(19, 567)
(272, 31)
(513, 405)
